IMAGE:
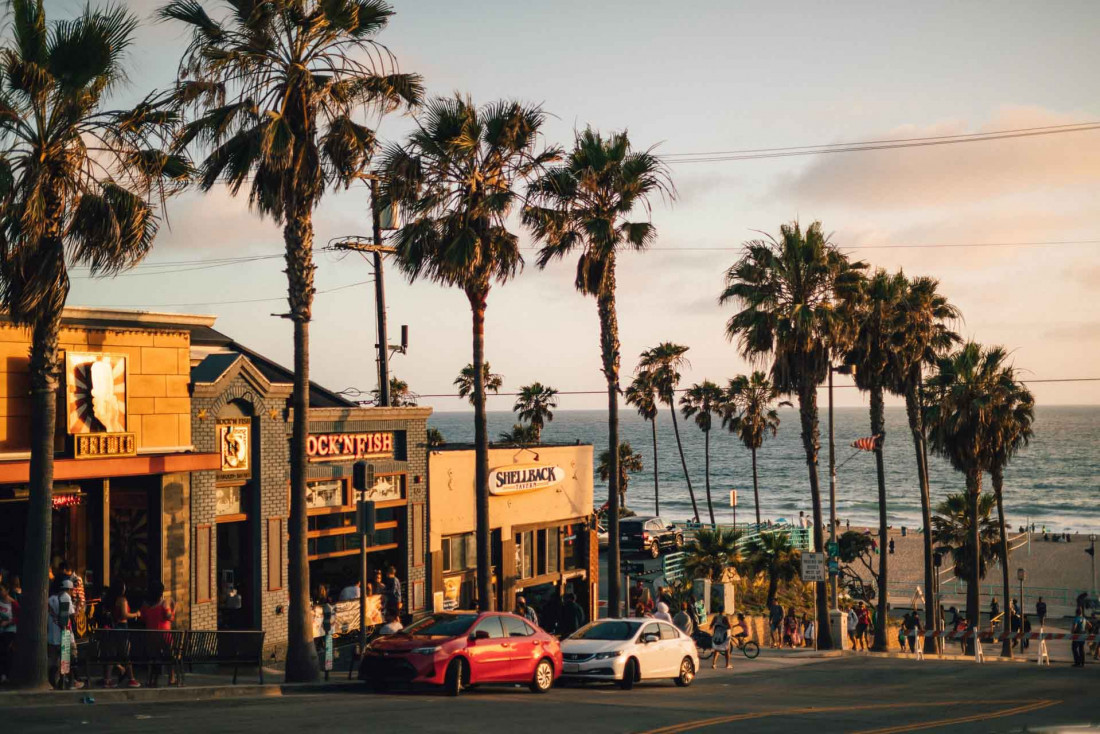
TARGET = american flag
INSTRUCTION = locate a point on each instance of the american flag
(867, 444)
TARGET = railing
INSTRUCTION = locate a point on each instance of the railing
(673, 566)
(954, 587)
(801, 538)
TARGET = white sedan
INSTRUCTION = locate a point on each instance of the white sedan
(629, 650)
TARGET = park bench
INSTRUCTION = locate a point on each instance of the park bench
(225, 647)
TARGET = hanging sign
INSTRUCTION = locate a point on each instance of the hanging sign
(518, 478)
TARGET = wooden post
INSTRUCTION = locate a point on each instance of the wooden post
(105, 578)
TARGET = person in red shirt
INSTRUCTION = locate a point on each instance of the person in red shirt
(158, 613)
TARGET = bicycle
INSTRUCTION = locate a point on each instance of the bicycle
(749, 648)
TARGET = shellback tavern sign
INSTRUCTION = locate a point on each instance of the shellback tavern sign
(345, 446)
(524, 478)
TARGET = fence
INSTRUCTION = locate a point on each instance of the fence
(953, 587)
(801, 538)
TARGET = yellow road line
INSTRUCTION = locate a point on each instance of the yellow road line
(702, 723)
(963, 719)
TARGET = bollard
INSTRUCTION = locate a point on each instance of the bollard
(919, 647)
(979, 656)
(1044, 656)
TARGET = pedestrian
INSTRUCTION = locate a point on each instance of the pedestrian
(802, 520)
(77, 594)
(392, 591)
(572, 616)
(350, 592)
(9, 622)
(120, 620)
(1041, 612)
(662, 612)
(392, 624)
(1025, 640)
(891, 546)
(522, 610)
(912, 626)
(1078, 646)
(850, 624)
(720, 640)
(639, 610)
(994, 610)
(791, 637)
(808, 630)
(158, 613)
(683, 620)
(775, 622)
(376, 585)
(60, 609)
(693, 611)
(551, 612)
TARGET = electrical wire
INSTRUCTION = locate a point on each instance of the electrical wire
(224, 303)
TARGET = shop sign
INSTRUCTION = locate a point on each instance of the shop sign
(227, 501)
(103, 445)
(384, 490)
(524, 478)
(320, 495)
(95, 392)
(234, 445)
(337, 446)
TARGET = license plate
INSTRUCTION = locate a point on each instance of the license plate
(624, 537)
(570, 668)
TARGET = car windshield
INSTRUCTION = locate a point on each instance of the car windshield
(607, 631)
(442, 625)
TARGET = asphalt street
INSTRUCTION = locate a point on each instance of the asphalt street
(771, 694)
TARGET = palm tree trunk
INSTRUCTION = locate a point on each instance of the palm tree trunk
(706, 462)
(29, 667)
(807, 413)
(973, 584)
(755, 490)
(683, 461)
(913, 412)
(656, 481)
(609, 350)
(301, 655)
(878, 428)
(997, 475)
(773, 586)
(481, 456)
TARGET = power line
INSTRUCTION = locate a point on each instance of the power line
(224, 303)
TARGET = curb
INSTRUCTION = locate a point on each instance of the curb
(167, 695)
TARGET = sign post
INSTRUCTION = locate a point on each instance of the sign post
(362, 480)
(813, 569)
(733, 504)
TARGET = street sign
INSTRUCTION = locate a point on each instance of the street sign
(813, 566)
(733, 498)
(832, 548)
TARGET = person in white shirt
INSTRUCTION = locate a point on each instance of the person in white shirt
(349, 593)
(662, 613)
(802, 523)
(392, 625)
(60, 609)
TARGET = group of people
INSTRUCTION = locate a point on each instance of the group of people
(560, 615)
(10, 594)
(788, 629)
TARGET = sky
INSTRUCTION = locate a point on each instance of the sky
(694, 77)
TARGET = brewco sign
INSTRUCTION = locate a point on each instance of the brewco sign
(524, 478)
(334, 446)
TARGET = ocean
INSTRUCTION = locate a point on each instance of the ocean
(1054, 482)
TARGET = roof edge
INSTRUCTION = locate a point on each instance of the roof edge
(95, 313)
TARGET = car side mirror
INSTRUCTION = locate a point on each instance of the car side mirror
(479, 635)
(650, 637)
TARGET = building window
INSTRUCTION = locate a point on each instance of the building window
(540, 561)
(204, 571)
(275, 545)
(459, 553)
(570, 554)
(525, 554)
(418, 534)
(553, 540)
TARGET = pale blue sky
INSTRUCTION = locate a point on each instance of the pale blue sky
(701, 76)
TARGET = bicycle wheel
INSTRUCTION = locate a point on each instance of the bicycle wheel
(750, 649)
(705, 653)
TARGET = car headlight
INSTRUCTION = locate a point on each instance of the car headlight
(424, 650)
(608, 655)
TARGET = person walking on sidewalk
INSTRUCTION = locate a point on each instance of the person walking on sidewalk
(1041, 611)
(720, 640)
(9, 621)
(683, 620)
(1078, 646)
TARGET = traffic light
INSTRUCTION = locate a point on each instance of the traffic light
(365, 517)
(362, 476)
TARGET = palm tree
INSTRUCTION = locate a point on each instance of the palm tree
(953, 532)
(629, 463)
(400, 394)
(435, 437)
(711, 552)
(583, 206)
(1009, 431)
(787, 290)
(491, 381)
(873, 309)
(520, 435)
(749, 414)
(958, 418)
(534, 405)
(642, 394)
(924, 316)
(79, 179)
(455, 179)
(773, 555)
(704, 401)
(664, 363)
(276, 88)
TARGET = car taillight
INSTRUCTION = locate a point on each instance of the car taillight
(645, 536)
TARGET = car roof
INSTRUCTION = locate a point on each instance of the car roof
(637, 518)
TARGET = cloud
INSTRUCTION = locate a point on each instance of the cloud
(952, 174)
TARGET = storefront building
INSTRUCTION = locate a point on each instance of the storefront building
(543, 536)
(124, 458)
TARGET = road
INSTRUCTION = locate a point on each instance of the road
(771, 694)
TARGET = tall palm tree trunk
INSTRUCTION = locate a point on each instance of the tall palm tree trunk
(656, 481)
(997, 476)
(878, 428)
(481, 456)
(683, 461)
(916, 429)
(706, 463)
(609, 348)
(755, 490)
(301, 654)
(807, 413)
(30, 667)
(973, 583)
(773, 586)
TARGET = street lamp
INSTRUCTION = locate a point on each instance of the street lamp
(834, 606)
(1021, 576)
(1092, 552)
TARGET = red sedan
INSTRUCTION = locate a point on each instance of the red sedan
(459, 649)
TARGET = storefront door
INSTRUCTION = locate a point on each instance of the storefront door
(235, 588)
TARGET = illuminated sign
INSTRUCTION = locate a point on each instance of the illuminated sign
(95, 392)
(102, 445)
(524, 478)
(337, 446)
(233, 444)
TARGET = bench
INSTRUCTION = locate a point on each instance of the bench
(152, 648)
(225, 647)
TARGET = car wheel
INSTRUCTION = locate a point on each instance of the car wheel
(456, 672)
(630, 673)
(544, 677)
(379, 685)
(679, 541)
(654, 550)
(687, 673)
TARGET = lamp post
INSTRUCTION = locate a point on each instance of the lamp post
(1021, 575)
(834, 606)
(1092, 552)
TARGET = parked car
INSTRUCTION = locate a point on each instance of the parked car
(626, 651)
(649, 535)
(460, 649)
